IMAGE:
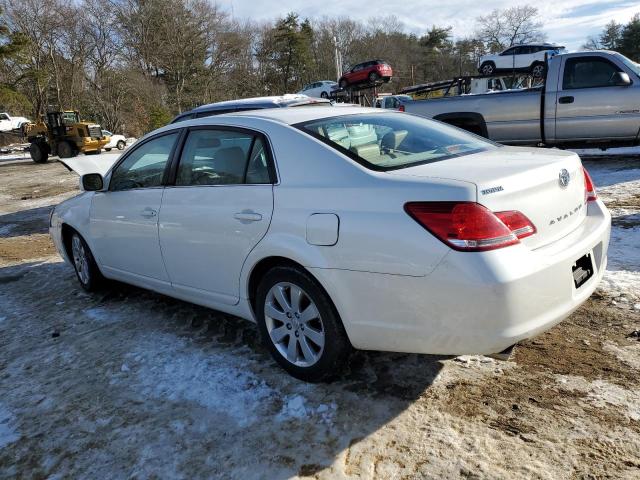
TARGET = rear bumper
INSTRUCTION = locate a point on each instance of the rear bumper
(472, 303)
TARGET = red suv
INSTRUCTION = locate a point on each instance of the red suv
(366, 72)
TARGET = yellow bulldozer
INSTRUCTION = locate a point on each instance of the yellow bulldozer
(63, 134)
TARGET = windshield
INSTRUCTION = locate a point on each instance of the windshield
(631, 65)
(389, 141)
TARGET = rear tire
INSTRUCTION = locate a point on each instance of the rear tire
(121, 145)
(39, 153)
(374, 77)
(487, 68)
(84, 264)
(65, 150)
(343, 83)
(538, 70)
(299, 324)
(107, 149)
(324, 95)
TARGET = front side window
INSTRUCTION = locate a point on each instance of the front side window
(633, 66)
(144, 167)
(389, 141)
(588, 72)
(222, 157)
(509, 51)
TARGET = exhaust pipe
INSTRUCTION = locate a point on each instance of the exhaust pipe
(504, 355)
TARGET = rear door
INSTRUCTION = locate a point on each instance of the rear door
(590, 106)
(218, 209)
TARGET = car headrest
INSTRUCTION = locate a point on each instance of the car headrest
(208, 142)
(369, 151)
(392, 140)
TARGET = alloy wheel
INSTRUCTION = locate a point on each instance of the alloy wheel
(294, 324)
(80, 259)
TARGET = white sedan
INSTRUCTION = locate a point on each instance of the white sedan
(116, 141)
(321, 89)
(337, 229)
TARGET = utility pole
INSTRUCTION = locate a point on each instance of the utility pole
(338, 59)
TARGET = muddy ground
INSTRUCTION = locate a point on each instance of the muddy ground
(130, 384)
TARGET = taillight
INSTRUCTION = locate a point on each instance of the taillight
(401, 109)
(589, 188)
(469, 226)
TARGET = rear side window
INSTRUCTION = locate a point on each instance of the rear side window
(223, 157)
(144, 167)
(389, 141)
(588, 72)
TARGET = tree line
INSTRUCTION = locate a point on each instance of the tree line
(133, 64)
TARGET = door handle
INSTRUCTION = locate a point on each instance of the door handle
(565, 100)
(248, 216)
(148, 213)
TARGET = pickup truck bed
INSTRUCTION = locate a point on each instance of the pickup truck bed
(588, 99)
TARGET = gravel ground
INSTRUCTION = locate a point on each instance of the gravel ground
(126, 383)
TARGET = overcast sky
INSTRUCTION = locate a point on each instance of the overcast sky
(568, 22)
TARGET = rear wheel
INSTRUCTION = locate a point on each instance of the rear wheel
(65, 150)
(299, 324)
(487, 68)
(108, 149)
(373, 77)
(324, 95)
(84, 264)
(343, 83)
(538, 70)
(39, 152)
(120, 145)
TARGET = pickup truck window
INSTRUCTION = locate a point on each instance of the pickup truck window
(633, 66)
(390, 141)
(588, 72)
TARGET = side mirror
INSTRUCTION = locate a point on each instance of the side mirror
(92, 182)
(621, 79)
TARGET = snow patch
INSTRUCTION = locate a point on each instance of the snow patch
(7, 433)
(600, 393)
(169, 368)
(295, 406)
(101, 314)
(629, 354)
(620, 282)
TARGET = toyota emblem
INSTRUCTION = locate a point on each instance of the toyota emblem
(564, 177)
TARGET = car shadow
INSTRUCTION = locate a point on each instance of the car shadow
(154, 361)
(25, 222)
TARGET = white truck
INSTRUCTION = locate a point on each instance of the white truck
(9, 123)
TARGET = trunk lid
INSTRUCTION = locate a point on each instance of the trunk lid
(523, 179)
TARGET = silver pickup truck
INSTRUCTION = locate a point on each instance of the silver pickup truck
(588, 99)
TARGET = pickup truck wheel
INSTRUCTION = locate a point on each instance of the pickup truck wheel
(487, 68)
(343, 83)
(38, 152)
(121, 144)
(538, 70)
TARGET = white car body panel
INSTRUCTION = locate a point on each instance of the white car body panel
(395, 286)
(8, 123)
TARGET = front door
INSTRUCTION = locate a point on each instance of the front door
(124, 219)
(218, 210)
(590, 105)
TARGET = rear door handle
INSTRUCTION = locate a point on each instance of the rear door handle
(565, 100)
(148, 213)
(248, 216)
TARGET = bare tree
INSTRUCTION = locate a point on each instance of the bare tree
(503, 28)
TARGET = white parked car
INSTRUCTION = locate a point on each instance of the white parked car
(117, 141)
(8, 123)
(529, 58)
(389, 232)
(319, 89)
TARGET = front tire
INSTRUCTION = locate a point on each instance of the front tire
(374, 77)
(324, 95)
(299, 325)
(38, 152)
(343, 83)
(65, 150)
(84, 264)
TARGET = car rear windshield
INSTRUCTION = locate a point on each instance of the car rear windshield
(389, 141)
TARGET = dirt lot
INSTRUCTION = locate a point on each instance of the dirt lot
(130, 384)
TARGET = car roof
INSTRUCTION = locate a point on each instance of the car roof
(258, 102)
(291, 116)
(550, 45)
